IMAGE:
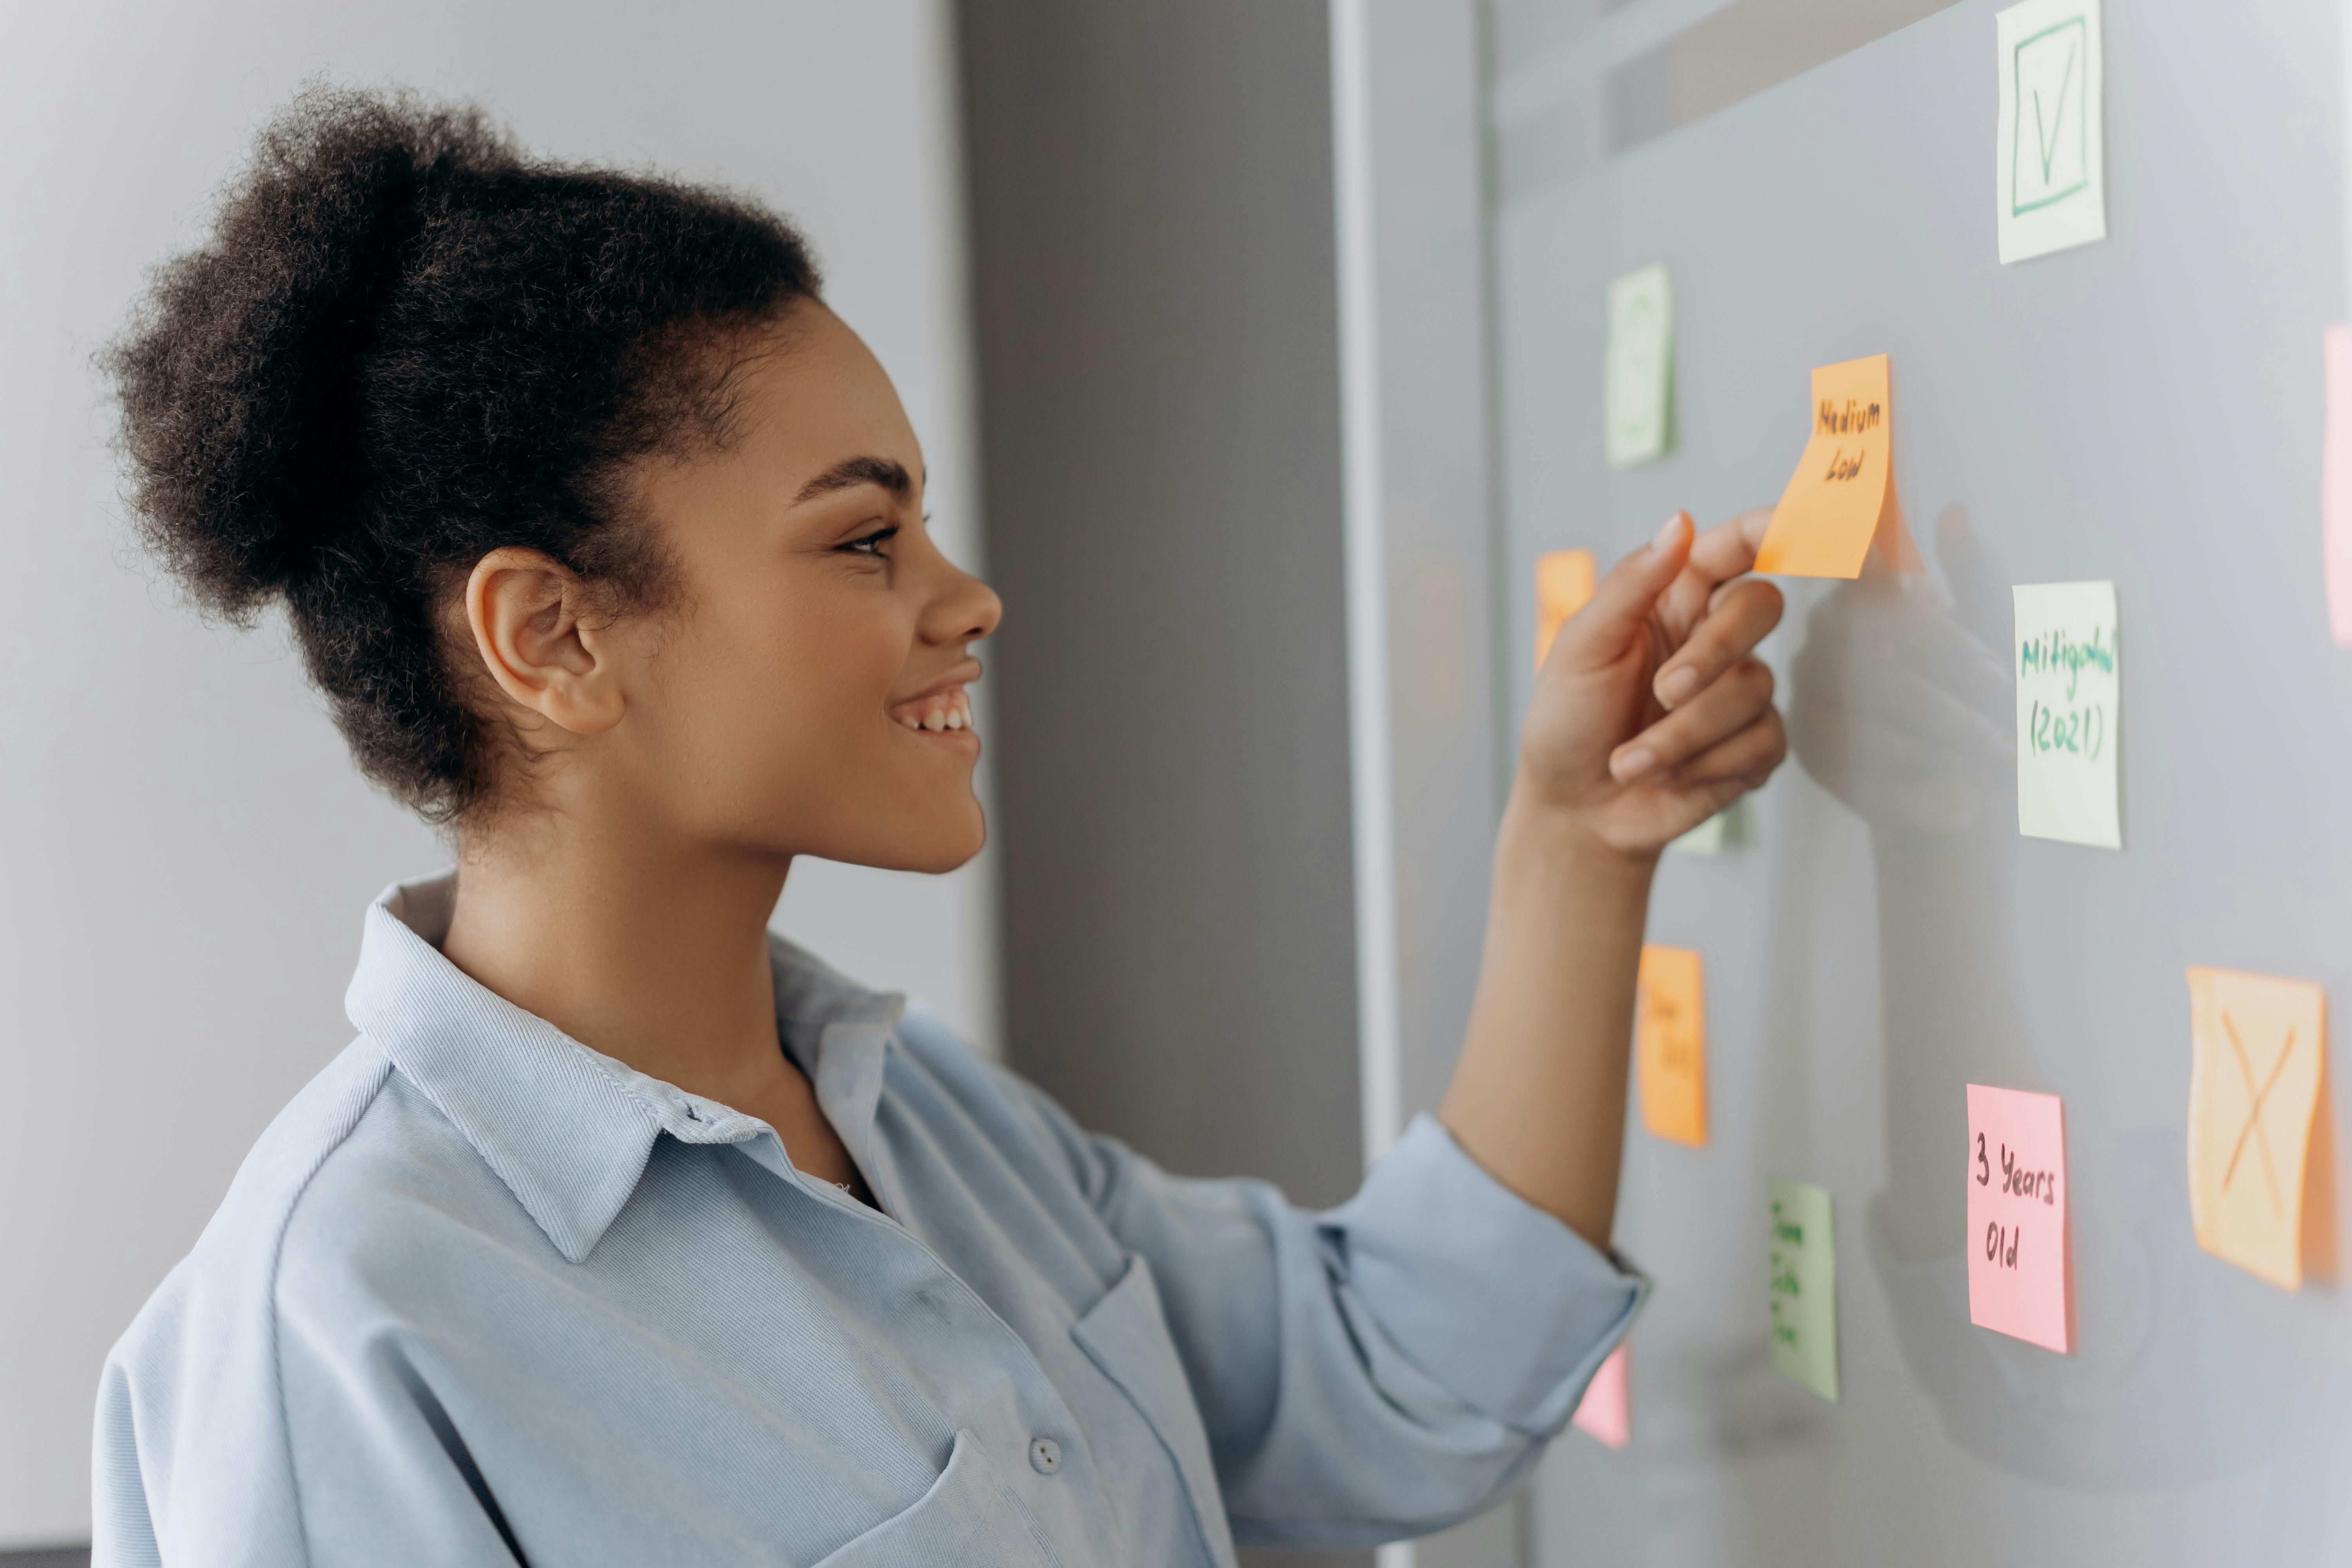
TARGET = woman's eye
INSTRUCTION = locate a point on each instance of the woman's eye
(872, 543)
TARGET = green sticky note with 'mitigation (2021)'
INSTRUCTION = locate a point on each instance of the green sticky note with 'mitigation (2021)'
(1803, 1248)
(2068, 691)
(1638, 369)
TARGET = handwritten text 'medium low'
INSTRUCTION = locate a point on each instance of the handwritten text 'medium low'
(1850, 417)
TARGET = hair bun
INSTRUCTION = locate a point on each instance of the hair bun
(405, 344)
(239, 377)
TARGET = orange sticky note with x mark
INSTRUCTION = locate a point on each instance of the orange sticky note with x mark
(1564, 581)
(2260, 1058)
(1841, 496)
(1670, 1045)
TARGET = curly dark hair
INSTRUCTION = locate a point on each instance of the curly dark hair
(405, 344)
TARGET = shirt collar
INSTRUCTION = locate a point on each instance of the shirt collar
(569, 1129)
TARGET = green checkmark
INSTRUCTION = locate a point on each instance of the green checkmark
(2049, 128)
(2046, 140)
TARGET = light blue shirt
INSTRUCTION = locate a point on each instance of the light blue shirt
(481, 1295)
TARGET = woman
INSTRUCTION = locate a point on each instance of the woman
(626, 1233)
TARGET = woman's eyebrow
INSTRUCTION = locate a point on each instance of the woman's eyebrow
(851, 472)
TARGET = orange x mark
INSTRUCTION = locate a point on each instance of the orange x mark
(2254, 1129)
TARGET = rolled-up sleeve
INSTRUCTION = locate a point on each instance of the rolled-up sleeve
(1379, 1371)
(1496, 1299)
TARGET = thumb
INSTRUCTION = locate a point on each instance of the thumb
(1597, 634)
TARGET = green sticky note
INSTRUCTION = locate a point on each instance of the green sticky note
(2050, 157)
(1726, 829)
(2067, 706)
(1803, 1290)
(1706, 838)
(1639, 367)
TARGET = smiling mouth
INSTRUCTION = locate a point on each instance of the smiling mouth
(937, 711)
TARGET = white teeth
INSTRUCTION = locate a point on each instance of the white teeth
(954, 713)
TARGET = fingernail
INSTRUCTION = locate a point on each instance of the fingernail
(1666, 534)
(1677, 685)
(1633, 764)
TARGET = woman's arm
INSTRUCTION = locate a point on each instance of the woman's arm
(1650, 715)
(1386, 1368)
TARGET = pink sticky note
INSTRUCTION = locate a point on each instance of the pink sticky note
(2336, 484)
(1606, 1412)
(2020, 1278)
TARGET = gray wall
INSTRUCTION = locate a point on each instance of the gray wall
(1152, 259)
(1156, 310)
(1430, 768)
(185, 851)
(1447, 762)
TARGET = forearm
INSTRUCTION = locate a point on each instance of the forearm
(1538, 1096)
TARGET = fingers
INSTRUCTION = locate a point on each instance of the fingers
(1718, 555)
(1744, 616)
(1728, 769)
(1746, 758)
(1598, 634)
(1728, 705)
(1729, 549)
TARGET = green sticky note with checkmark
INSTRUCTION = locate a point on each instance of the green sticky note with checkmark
(2049, 150)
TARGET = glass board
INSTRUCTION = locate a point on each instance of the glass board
(2145, 410)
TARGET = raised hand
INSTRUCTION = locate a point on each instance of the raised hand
(1652, 712)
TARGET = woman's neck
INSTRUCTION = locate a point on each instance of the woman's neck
(650, 950)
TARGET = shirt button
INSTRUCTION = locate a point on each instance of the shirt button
(1045, 1456)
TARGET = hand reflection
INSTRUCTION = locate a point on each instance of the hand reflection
(1901, 705)
(1900, 702)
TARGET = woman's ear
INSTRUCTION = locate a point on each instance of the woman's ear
(537, 630)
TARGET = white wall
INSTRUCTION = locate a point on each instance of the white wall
(184, 852)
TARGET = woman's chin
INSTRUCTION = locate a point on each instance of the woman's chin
(936, 848)
(960, 846)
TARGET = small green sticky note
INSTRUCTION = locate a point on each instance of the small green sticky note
(1726, 829)
(1803, 1252)
(1639, 367)
(1706, 838)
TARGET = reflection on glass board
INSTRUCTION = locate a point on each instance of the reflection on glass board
(1739, 52)
(1575, 80)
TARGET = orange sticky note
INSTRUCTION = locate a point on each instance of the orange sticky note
(2260, 1056)
(1563, 582)
(2019, 1274)
(2336, 483)
(1670, 1045)
(1842, 495)
(1606, 1411)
